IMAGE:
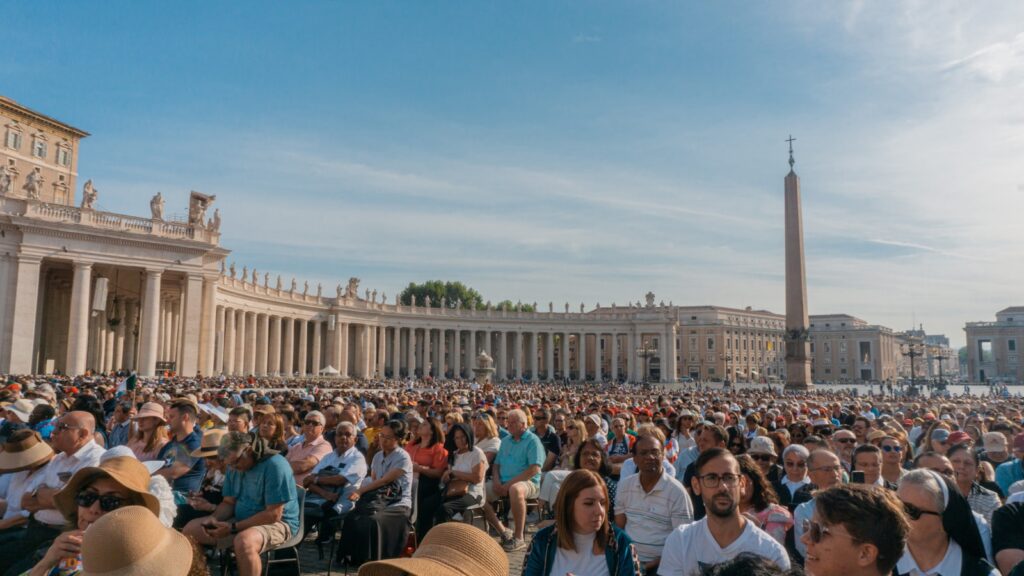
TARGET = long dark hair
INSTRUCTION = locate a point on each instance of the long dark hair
(762, 493)
(449, 441)
(576, 482)
(604, 469)
(436, 433)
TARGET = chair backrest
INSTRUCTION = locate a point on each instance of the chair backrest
(296, 538)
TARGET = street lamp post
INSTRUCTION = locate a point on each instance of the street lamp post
(646, 351)
(728, 367)
(912, 351)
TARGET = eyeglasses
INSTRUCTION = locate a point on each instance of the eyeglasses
(713, 480)
(312, 423)
(835, 468)
(796, 464)
(915, 513)
(762, 457)
(846, 440)
(63, 427)
(816, 531)
(539, 417)
(892, 448)
(385, 437)
(108, 502)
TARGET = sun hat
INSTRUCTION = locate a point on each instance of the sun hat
(994, 442)
(449, 549)
(762, 445)
(22, 409)
(122, 450)
(940, 434)
(131, 541)
(875, 435)
(151, 410)
(209, 444)
(23, 450)
(124, 470)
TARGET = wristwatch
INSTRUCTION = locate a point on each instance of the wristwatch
(234, 529)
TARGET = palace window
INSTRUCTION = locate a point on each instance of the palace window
(711, 343)
(13, 139)
(39, 147)
(63, 156)
(1012, 345)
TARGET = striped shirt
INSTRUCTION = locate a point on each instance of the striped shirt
(652, 516)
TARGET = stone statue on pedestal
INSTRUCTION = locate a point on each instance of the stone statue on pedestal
(214, 223)
(650, 299)
(89, 195)
(197, 205)
(266, 279)
(581, 308)
(373, 296)
(353, 288)
(338, 292)
(32, 184)
(223, 270)
(245, 273)
(426, 301)
(383, 298)
(319, 289)
(566, 307)
(367, 294)
(255, 276)
(232, 268)
(412, 300)
(305, 287)
(278, 282)
(6, 180)
(156, 206)
(551, 307)
(295, 285)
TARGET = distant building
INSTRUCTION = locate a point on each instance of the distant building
(38, 148)
(741, 345)
(847, 349)
(993, 348)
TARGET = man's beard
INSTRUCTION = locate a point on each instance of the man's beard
(727, 512)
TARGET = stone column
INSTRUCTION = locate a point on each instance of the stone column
(427, 365)
(471, 357)
(382, 350)
(262, 329)
(274, 346)
(317, 336)
(175, 347)
(132, 339)
(208, 327)
(441, 342)
(343, 349)
(615, 357)
(150, 324)
(230, 326)
(250, 343)
(218, 361)
(108, 345)
(119, 333)
(78, 323)
(502, 356)
(396, 352)
(549, 356)
(240, 342)
(598, 357)
(161, 354)
(303, 345)
(566, 368)
(190, 331)
(456, 353)
(533, 358)
(517, 341)
(581, 356)
(288, 354)
(411, 353)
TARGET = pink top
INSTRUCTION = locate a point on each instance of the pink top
(301, 450)
(775, 520)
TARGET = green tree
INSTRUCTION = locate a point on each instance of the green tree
(516, 307)
(453, 293)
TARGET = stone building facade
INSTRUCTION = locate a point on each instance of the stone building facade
(38, 154)
(847, 349)
(993, 348)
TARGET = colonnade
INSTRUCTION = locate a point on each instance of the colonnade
(260, 343)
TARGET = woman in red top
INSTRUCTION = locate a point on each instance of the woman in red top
(429, 461)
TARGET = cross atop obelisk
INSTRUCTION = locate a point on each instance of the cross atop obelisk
(798, 347)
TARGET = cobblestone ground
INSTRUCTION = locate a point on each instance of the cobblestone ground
(313, 566)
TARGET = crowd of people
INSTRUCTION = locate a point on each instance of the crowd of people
(118, 474)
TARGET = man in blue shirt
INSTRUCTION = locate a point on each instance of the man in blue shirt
(182, 471)
(1013, 470)
(516, 477)
(260, 509)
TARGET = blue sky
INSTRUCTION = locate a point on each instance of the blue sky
(564, 151)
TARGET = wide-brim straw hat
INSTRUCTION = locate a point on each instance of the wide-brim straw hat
(22, 408)
(151, 410)
(449, 549)
(131, 541)
(23, 450)
(209, 444)
(125, 470)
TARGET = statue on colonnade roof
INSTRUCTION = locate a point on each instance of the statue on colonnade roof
(197, 205)
(353, 288)
(6, 180)
(89, 196)
(33, 183)
(156, 207)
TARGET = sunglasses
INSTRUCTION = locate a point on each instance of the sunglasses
(892, 449)
(108, 502)
(915, 513)
(63, 427)
(846, 440)
(761, 457)
(816, 531)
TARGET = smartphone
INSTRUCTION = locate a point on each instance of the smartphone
(857, 477)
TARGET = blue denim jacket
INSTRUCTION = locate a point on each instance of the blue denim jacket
(619, 553)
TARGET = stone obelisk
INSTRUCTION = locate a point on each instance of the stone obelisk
(798, 347)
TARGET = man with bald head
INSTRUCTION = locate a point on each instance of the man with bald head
(825, 471)
(72, 439)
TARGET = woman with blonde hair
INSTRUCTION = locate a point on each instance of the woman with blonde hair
(485, 436)
(151, 432)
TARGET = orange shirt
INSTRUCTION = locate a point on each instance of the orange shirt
(435, 457)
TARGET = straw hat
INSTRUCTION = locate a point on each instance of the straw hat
(151, 410)
(130, 541)
(24, 449)
(762, 445)
(124, 470)
(211, 441)
(449, 549)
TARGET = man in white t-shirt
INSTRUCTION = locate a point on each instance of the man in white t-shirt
(724, 532)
